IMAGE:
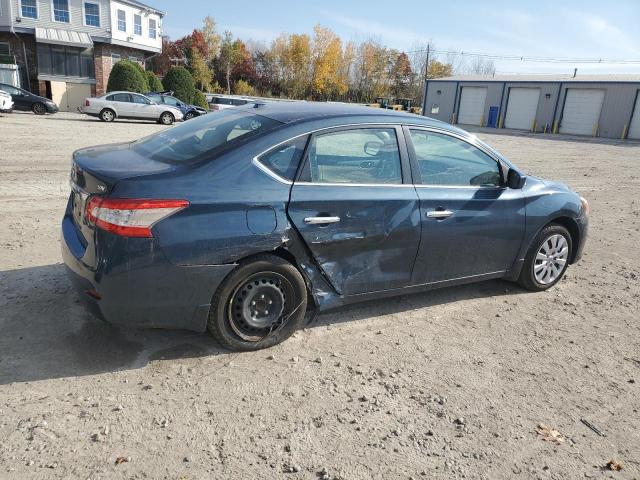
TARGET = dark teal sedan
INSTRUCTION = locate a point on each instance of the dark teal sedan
(247, 222)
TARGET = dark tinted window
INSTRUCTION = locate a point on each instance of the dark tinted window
(204, 137)
(238, 102)
(367, 155)
(449, 161)
(119, 97)
(284, 159)
(10, 90)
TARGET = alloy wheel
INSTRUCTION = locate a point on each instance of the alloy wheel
(39, 109)
(166, 119)
(551, 259)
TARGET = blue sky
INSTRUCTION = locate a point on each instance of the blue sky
(570, 28)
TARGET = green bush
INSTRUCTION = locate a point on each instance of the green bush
(128, 76)
(180, 81)
(154, 83)
(200, 100)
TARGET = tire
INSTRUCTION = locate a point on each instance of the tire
(167, 118)
(189, 116)
(107, 115)
(39, 108)
(263, 282)
(555, 247)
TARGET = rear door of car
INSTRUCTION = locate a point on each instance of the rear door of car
(122, 104)
(472, 224)
(356, 208)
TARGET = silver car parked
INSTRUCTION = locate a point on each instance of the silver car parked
(114, 105)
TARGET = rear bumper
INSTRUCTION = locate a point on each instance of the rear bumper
(139, 287)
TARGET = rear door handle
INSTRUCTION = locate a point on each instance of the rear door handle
(321, 220)
(439, 213)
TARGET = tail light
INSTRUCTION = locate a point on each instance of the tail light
(130, 217)
(86, 102)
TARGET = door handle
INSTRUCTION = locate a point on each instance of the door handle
(439, 213)
(321, 220)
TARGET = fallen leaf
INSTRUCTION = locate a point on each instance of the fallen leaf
(613, 465)
(549, 434)
(120, 460)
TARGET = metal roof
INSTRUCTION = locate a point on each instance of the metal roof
(63, 37)
(540, 78)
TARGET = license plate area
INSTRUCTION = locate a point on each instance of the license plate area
(79, 204)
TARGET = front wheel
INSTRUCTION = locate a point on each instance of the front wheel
(167, 118)
(261, 303)
(189, 116)
(547, 259)
(39, 108)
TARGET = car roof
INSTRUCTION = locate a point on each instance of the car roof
(290, 112)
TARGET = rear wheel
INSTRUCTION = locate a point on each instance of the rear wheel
(547, 259)
(107, 115)
(167, 118)
(262, 303)
(39, 108)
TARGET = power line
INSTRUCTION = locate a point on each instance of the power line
(526, 58)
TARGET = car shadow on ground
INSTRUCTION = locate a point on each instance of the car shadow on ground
(46, 332)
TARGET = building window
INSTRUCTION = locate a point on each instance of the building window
(65, 61)
(122, 21)
(115, 58)
(4, 48)
(61, 11)
(137, 25)
(152, 28)
(91, 14)
(133, 59)
(29, 8)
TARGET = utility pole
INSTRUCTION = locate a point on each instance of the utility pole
(426, 67)
(426, 80)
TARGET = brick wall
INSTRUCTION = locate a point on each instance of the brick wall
(16, 47)
(103, 63)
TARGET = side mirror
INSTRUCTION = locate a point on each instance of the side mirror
(372, 148)
(515, 180)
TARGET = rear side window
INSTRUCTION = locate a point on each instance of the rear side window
(119, 97)
(367, 155)
(203, 137)
(448, 161)
(284, 159)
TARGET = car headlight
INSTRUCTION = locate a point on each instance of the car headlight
(584, 205)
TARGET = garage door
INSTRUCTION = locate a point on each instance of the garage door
(581, 111)
(472, 101)
(521, 108)
(634, 128)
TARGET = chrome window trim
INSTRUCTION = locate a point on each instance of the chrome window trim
(275, 176)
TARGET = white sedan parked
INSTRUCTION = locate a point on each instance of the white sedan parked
(129, 105)
(6, 103)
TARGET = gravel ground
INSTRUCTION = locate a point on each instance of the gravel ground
(452, 383)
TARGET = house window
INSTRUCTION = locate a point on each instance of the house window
(61, 11)
(137, 25)
(115, 58)
(133, 59)
(4, 48)
(91, 14)
(122, 21)
(65, 61)
(29, 8)
(152, 28)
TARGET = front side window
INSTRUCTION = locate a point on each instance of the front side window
(29, 8)
(137, 25)
(61, 11)
(205, 137)
(152, 28)
(284, 159)
(448, 161)
(122, 21)
(91, 14)
(140, 99)
(366, 155)
(171, 101)
(10, 90)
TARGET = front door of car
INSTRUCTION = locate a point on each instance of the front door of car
(472, 224)
(356, 209)
(122, 104)
(143, 107)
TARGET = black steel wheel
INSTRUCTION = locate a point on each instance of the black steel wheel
(189, 116)
(39, 108)
(261, 303)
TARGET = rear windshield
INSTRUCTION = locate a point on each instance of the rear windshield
(203, 137)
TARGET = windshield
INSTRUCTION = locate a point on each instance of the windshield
(203, 137)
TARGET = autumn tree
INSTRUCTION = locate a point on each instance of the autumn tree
(327, 62)
(229, 57)
(202, 75)
(401, 75)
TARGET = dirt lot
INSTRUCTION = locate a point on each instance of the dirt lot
(452, 383)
